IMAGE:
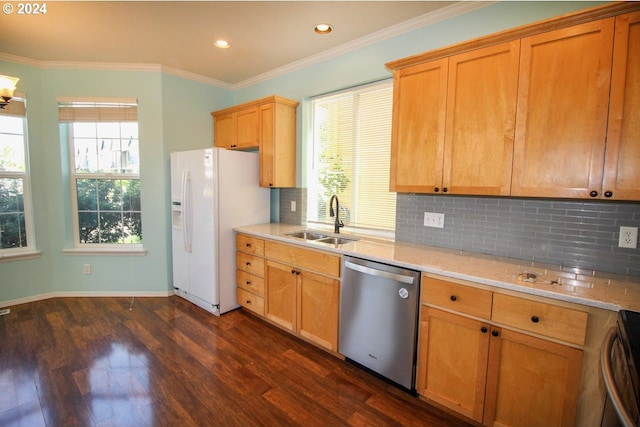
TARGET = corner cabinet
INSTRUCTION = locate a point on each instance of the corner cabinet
(295, 288)
(549, 109)
(499, 360)
(268, 124)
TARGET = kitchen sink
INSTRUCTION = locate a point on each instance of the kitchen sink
(316, 236)
(307, 235)
(335, 240)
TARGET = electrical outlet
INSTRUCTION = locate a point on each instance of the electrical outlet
(628, 237)
(293, 206)
(86, 269)
(432, 219)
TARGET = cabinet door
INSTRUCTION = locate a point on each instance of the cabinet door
(281, 284)
(417, 142)
(318, 304)
(224, 131)
(247, 122)
(622, 164)
(278, 145)
(452, 361)
(531, 382)
(480, 120)
(561, 120)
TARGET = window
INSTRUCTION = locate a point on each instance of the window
(16, 225)
(350, 158)
(104, 171)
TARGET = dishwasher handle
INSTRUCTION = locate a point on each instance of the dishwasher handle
(609, 382)
(380, 273)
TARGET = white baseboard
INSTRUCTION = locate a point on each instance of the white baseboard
(84, 294)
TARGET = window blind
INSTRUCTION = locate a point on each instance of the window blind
(351, 157)
(95, 110)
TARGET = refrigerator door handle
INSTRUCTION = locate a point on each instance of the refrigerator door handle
(186, 210)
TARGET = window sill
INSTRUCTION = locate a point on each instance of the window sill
(136, 251)
(18, 256)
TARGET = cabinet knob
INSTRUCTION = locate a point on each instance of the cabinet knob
(248, 282)
(271, 184)
(248, 301)
(495, 333)
(484, 329)
(293, 271)
(594, 194)
(535, 319)
(453, 297)
(436, 189)
(608, 194)
(445, 189)
(248, 264)
(248, 245)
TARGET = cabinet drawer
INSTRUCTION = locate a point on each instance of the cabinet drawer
(250, 264)
(545, 319)
(250, 301)
(320, 262)
(249, 282)
(461, 298)
(249, 244)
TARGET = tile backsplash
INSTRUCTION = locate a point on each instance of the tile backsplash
(571, 233)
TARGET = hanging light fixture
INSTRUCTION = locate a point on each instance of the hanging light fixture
(7, 86)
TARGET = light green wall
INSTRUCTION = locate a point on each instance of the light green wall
(174, 115)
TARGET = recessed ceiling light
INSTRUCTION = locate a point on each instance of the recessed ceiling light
(222, 44)
(323, 28)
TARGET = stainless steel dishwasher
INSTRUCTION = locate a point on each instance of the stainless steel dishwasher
(379, 318)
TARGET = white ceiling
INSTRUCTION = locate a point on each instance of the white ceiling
(265, 36)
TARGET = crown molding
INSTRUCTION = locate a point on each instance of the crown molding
(448, 12)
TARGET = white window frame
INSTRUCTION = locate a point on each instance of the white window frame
(129, 107)
(312, 166)
(17, 108)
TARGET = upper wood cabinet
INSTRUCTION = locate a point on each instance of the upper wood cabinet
(268, 124)
(237, 129)
(575, 130)
(454, 123)
(561, 124)
(622, 159)
(417, 143)
(481, 108)
(278, 143)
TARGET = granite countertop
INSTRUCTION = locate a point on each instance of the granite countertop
(591, 288)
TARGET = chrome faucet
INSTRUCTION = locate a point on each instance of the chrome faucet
(336, 213)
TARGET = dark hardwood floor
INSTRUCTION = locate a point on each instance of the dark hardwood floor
(94, 362)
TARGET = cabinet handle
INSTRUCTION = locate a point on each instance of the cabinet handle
(293, 271)
(248, 264)
(248, 245)
(248, 282)
(608, 194)
(484, 329)
(535, 319)
(445, 189)
(495, 333)
(298, 273)
(270, 184)
(453, 297)
(594, 194)
(248, 301)
(436, 189)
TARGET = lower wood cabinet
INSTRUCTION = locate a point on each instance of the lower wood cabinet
(494, 372)
(300, 291)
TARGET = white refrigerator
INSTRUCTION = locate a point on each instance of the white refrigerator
(212, 191)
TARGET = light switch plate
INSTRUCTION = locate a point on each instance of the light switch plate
(433, 219)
